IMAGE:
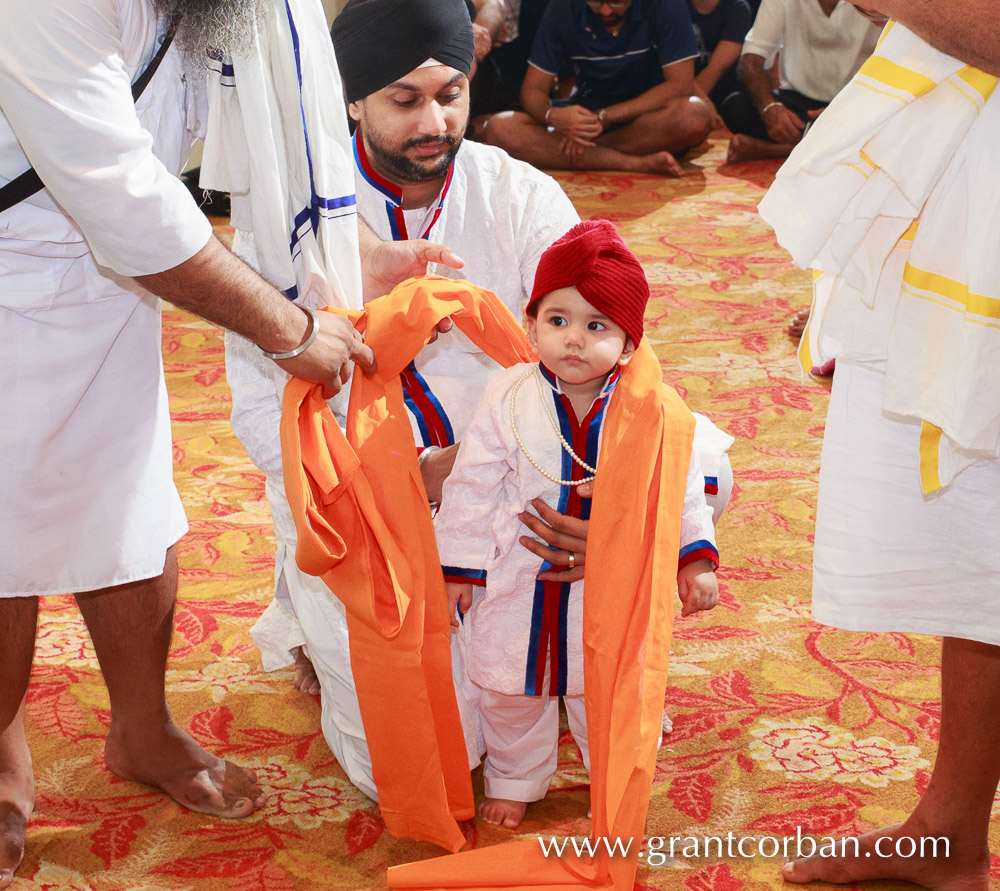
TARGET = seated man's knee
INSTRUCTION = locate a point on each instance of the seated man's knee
(694, 121)
(505, 128)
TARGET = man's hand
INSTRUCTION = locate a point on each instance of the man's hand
(459, 595)
(387, 263)
(571, 149)
(697, 587)
(563, 536)
(435, 466)
(575, 122)
(328, 359)
(483, 43)
(783, 125)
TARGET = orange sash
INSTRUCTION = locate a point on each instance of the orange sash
(361, 515)
(627, 620)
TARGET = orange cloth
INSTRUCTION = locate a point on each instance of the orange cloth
(627, 619)
(361, 515)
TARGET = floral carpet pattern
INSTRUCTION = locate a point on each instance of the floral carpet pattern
(780, 726)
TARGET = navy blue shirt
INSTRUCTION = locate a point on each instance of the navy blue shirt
(613, 68)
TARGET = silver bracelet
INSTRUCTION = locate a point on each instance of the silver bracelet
(769, 106)
(548, 111)
(302, 347)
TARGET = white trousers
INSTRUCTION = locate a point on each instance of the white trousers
(522, 742)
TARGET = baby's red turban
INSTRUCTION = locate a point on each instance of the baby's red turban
(592, 258)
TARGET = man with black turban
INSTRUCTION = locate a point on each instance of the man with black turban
(405, 67)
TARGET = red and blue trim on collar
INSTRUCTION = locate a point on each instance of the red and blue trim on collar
(394, 194)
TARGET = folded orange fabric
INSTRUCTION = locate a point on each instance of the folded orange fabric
(630, 579)
(361, 515)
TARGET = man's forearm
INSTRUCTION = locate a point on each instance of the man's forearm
(754, 78)
(535, 102)
(219, 287)
(966, 29)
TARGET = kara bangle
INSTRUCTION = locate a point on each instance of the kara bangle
(548, 111)
(769, 106)
(309, 338)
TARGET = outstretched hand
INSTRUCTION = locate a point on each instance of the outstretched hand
(388, 263)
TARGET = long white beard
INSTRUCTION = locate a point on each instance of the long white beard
(227, 25)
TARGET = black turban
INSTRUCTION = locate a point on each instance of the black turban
(379, 41)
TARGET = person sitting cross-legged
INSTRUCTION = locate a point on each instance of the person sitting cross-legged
(633, 106)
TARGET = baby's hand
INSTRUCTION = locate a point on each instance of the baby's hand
(460, 595)
(697, 587)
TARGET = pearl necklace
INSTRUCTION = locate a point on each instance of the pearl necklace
(555, 426)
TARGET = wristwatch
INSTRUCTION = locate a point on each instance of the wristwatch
(602, 117)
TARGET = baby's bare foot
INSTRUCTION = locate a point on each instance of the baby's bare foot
(503, 812)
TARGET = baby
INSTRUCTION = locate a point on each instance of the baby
(537, 433)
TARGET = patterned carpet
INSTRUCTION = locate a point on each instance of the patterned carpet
(779, 723)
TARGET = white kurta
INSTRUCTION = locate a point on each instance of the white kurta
(477, 527)
(85, 446)
(818, 53)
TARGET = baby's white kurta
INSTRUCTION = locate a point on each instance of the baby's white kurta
(88, 494)
(478, 528)
(525, 637)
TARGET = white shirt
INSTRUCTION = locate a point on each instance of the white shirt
(110, 165)
(819, 53)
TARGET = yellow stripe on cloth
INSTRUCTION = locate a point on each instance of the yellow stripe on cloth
(930, 441)
(885, 32)
(954, 295)
(896, 76)
(805, 353)
(980, 81)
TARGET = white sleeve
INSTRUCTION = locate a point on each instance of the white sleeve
(65, 91)
(767, 34)
(697, 528)
(472, 493)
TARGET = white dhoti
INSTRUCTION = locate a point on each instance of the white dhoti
(939, 571)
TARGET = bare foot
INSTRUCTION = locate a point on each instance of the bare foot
(305, 674)
(16, 800)
(749, 148)
(661, 163)
(798, 324)
(503, 812)
(864, 859)
(173, 762)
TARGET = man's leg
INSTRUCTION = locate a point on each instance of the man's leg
(131, 627)
(18, 616)
(958, 800)
(680, 125)
(523, 138)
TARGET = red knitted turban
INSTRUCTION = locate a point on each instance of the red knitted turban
(592, 258)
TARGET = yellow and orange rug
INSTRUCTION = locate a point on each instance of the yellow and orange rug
(780, 724)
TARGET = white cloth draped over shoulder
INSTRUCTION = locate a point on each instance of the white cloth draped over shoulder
(277, 141)
(279, 145)
(88, 493)
(891, 200)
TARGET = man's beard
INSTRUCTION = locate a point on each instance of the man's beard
(405, 171)
(225, 25)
